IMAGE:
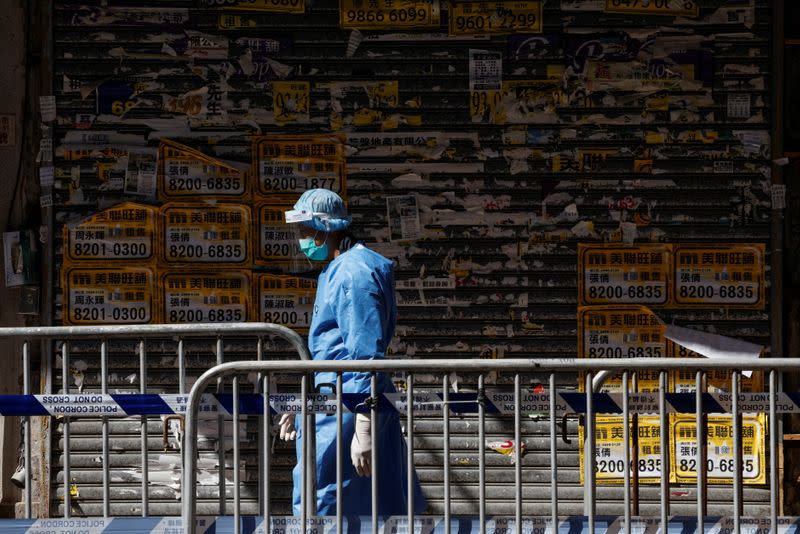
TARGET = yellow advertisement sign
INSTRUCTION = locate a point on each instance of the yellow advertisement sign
(610, 449)
(719, 452)
(290, 101)
(622, 332)
(286, 300)
(482, 18)
(608, 274)
(272, 6)
(210, 234)
(126, 231)
(185, 173)
(717, 380)
(277, 243)
(205, 297)
(683, 8)
(397, 14)
(113, 295)
(720, 275)
(290, 165)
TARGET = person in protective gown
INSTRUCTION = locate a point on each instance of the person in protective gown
(354, 319)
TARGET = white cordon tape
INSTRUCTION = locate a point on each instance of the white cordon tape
(495, 402)
(394, 524)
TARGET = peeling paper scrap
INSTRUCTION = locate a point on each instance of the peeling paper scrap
(506, 448)
(713, 345)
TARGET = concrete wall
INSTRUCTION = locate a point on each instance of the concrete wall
(12, 92)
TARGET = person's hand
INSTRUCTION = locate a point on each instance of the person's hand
(286, 425)
(361, 446)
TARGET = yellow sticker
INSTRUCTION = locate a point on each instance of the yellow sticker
(210, 234)
(272, 6)
(622, 332)
(609, 274)
(185, 173)
(643, 166)
(707, 137)
(610, 449)
(290, 101)
(113, 295)
(532, 96)
(719, 452)
(193, 104)
(286, 300)
(126, 231)
(592, 159)
(237, 22)
(683, 8)
(481, 18)
(89, 153)
(483, 103)
(720, 275)
(396, 14)
(290, 165)
(205, 297)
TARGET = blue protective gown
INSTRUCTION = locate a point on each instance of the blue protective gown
(354, 319)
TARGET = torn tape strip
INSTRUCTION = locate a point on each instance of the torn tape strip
(494, 402)
(363, 524)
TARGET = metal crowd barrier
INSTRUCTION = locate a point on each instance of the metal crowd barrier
(484, 403)
(143, 404)
(555, 402)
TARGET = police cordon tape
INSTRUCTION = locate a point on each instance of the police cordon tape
(494, 401)
(390, 525)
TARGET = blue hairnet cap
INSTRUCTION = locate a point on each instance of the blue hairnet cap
(328, 209)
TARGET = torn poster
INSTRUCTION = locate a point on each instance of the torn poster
(140, 176)
(738, 106)
(402, 214)
(485, 70)
(713, 345)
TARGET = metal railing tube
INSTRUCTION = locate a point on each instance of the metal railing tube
(517, 456)
(589, 454)
(67, 439)
(410, 450)
(626, 453)
(481, 456)
(104, 391)
(143, 430)
(221, 435)
(237, 501)
(267, 454)
(701, 462)
(446, 449)
(373, 432)
(339, 454)
(305, 494)
(773, 453)
(737, 454)
(553, 457)
(663, 418)
(26, 388)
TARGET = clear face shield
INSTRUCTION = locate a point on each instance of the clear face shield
(310, 243)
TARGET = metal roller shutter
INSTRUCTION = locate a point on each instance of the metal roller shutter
(503, 200)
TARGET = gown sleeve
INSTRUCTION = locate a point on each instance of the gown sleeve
(361, 313)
